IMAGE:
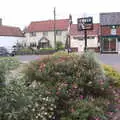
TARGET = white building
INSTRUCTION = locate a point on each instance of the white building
(41, 34)
(78, 41)
(10, 36)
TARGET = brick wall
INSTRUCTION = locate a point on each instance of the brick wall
(106, 30)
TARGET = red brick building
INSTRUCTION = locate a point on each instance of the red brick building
(110, 32)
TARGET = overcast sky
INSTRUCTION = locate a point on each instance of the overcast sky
(21, 12)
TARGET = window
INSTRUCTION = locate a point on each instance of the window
(45, 33)
(78, 38)
(109, 44)
(33, 34)
(33, 44)
(58, 32)
(91, 37)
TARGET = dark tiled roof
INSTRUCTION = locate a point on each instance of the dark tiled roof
(74, 31)
(112, 18)
(10, 31)
(44, 26)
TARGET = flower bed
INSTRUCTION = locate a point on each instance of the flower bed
(61, 87)
(78, 84)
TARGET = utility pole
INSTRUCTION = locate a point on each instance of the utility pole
(85, 37)
(55, 27)
(69, 27)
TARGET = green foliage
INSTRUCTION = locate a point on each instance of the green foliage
(19, 102)
(64, 54)
(9, 63)
(112, 74)
(6, 64)
(67, 78)
(59, 45)
(89, 109)
(2, 76)
(46, 49)
(13, 101)
(24, 51)
(62, 86)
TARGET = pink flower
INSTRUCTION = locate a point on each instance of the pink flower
(110, 113)
(96, 118)
(81, 96)
(72, 110)
(42, 66)
(57, 93)
(74, 86)
(101, 82)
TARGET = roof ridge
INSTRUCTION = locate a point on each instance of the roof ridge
(108, 12)
(9, 26)
(47, 20)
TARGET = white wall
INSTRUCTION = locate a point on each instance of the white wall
(93, 43)
(39, 35)
(77, 43)
(8, 42)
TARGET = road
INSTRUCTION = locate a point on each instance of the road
(110, 59)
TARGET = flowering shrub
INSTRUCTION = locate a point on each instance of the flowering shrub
(25, 103)
(87, 109)
(61, 87)
(69, 78)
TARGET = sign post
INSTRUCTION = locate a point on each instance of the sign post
(85, 24)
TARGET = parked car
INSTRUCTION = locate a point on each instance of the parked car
(3, 51)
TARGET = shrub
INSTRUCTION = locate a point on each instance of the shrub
(59, 45)
(62, 87)
(13, 101)
(64, 54)
(9, 63)
(2, 76)
(68, 78)
(24, 51)
(29, 51)
(45, 51)
(19, 102)
(6, 64)
(87, 109)
(112, 74)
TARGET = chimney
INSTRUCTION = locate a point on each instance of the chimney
(0, 21)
